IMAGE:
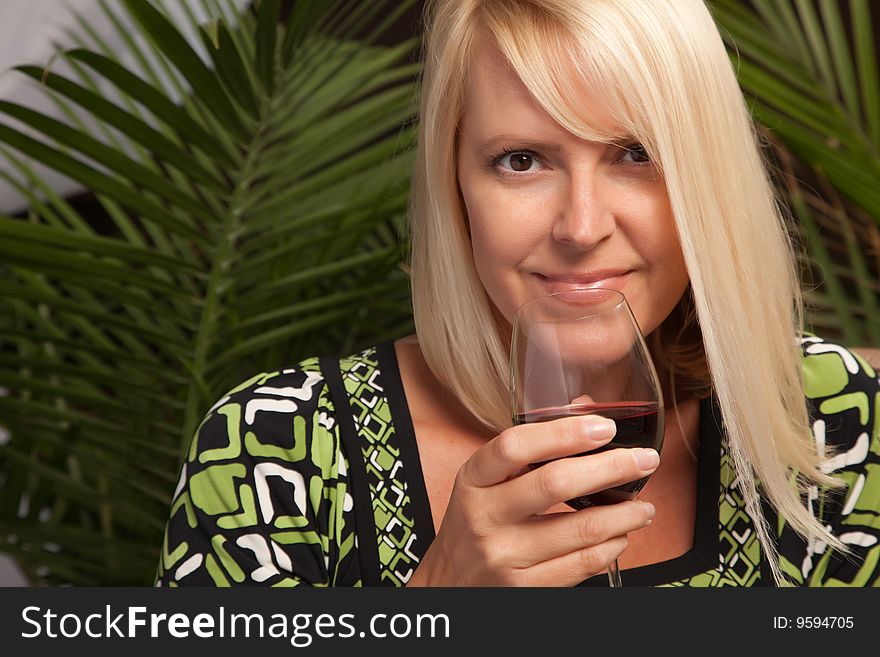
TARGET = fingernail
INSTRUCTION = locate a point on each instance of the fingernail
(650, 511)
(598, 428)
(646, 459)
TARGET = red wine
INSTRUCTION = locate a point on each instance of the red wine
(639, 424)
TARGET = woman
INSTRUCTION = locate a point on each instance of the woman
(563, 142)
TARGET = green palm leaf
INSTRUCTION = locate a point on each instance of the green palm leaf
(254, 197)
(813, 84)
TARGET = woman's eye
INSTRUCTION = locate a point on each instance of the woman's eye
(519, 161)
(635, 153)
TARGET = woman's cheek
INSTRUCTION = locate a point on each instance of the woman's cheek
(489, 252)
(501, 242)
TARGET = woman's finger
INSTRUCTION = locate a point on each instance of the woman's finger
(557, 534)
(513, 449)
(534, 492)
(575, 567)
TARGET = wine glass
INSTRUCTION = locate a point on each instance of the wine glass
(581, 352)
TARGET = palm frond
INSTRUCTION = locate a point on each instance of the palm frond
(254, 180)
(813, 85)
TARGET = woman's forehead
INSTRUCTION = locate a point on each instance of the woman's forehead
(497, 95)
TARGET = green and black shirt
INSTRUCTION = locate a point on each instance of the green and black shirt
(311, 475)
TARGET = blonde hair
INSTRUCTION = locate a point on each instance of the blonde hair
(664, 72)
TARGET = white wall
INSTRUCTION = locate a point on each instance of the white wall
(28, 29)
(10, 573)
(30, 33)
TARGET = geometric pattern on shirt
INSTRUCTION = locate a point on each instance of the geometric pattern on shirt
(739, 558)
(843, 415)
(263, 495)
(389, 490)
(845, 411)
(222, 532)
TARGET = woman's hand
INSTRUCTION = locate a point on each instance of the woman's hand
(495, 531)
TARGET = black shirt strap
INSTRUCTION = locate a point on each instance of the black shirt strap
(772, 519)
(365, 523)
(405, 439)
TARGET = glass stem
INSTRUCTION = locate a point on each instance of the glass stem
(614, 575)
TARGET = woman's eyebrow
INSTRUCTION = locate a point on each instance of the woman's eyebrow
(625, 141)
(495, 142)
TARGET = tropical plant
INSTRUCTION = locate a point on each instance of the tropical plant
(813, 85)
(252, 186)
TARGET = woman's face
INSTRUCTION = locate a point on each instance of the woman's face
(548, 210)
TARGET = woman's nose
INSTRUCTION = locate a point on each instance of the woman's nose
(585, 217)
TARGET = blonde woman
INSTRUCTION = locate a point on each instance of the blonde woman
(563, 142)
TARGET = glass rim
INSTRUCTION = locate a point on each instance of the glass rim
(621, 301)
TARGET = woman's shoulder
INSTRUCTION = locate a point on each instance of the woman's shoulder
(841, 387)
(302, 382)
(273, 407)
(264, 494)
(299, 386)
(843, 396)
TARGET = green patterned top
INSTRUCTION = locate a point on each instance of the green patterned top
(311, 475)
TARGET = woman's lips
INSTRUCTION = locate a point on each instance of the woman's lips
(607, 279)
